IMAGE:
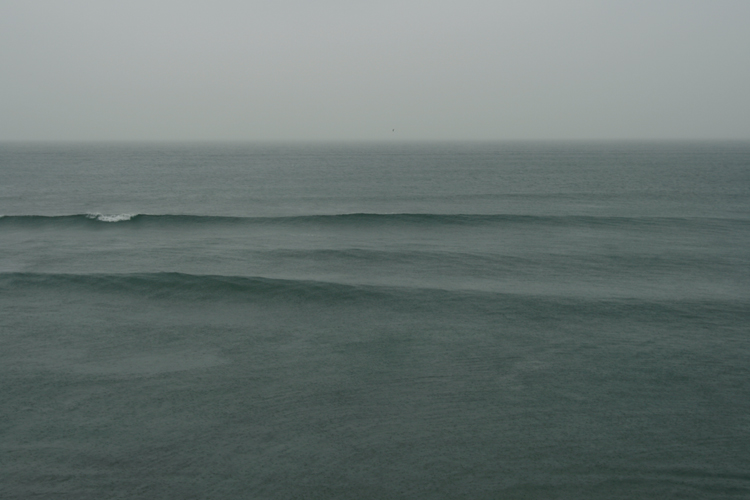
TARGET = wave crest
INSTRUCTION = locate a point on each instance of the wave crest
(247, 290)
(111, 217)
(377, 219)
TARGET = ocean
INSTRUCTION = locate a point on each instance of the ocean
(514, 320)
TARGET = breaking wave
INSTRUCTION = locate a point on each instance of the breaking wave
(371, 219)
(111, 218)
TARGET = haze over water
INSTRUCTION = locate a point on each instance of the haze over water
(286, 250)
(406, 70)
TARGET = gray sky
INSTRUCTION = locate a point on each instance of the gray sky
(355, 70)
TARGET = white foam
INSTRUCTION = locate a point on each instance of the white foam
(111, 218)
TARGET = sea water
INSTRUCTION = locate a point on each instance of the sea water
(339, 321)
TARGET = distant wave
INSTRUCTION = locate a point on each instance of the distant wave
(111, 217)
(193, 286)
(359, 219)
(223, 289)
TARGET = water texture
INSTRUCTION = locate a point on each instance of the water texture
(506, 320)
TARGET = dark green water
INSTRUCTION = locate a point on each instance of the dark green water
(375, 321)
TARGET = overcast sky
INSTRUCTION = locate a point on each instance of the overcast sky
(356, 70)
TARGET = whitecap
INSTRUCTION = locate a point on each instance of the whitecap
(111, 217)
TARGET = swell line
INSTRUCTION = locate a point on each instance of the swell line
(173, 284)
(358, 219)
(190, 288)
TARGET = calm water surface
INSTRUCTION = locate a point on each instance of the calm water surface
(510, 320)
